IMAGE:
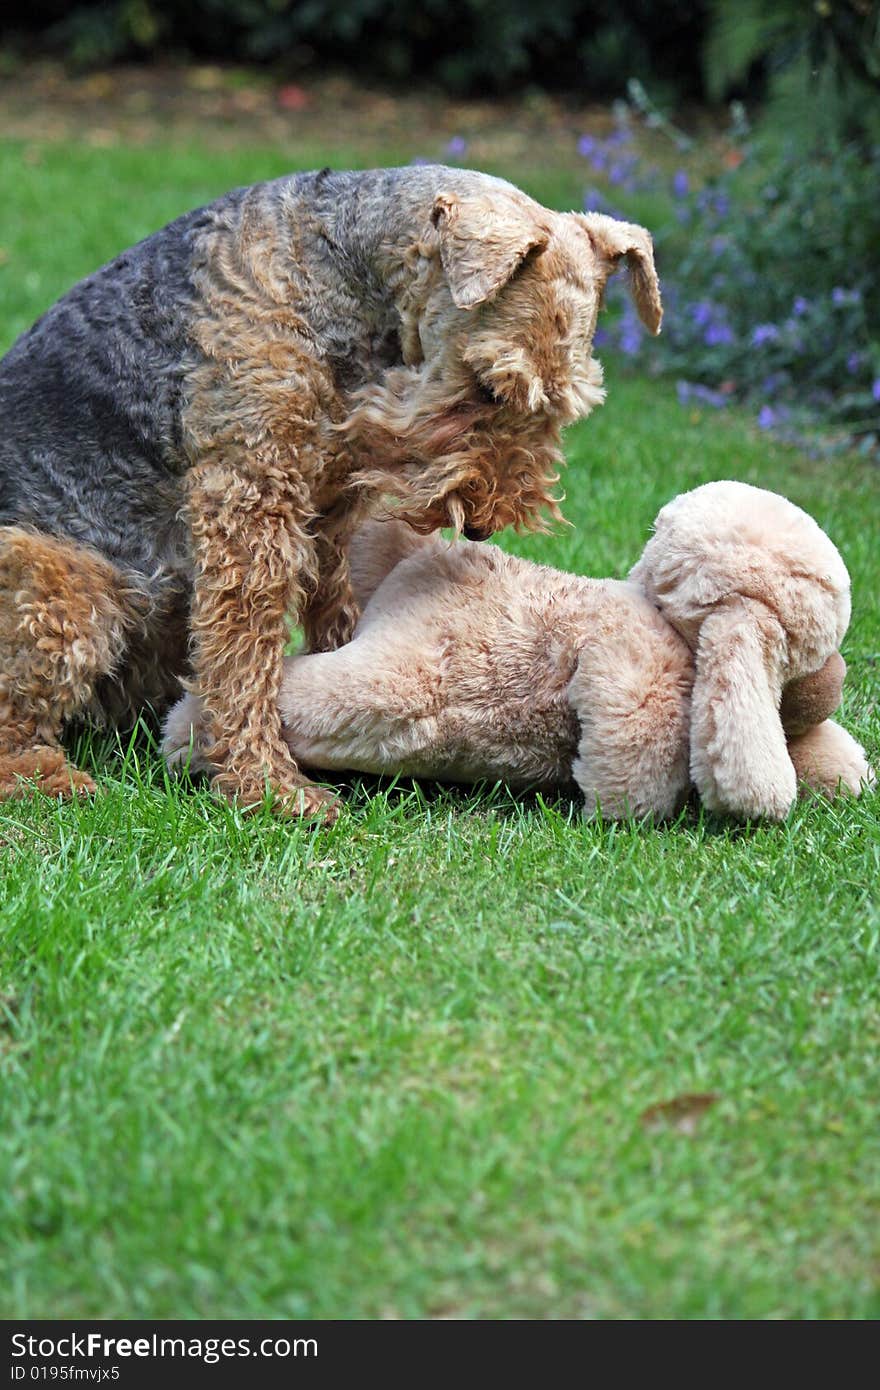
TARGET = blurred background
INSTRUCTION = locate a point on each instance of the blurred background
(744, 133)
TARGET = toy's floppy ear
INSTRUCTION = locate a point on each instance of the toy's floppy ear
(739, 760)
(614, 241)
(482, 242)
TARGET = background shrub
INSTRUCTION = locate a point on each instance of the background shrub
(771, 276)
(484, 46)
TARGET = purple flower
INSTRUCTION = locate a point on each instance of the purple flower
(764, 333)
(841, 296)
(766, 417)
(457, 147)
(800, 306)
(680, 183)
(854, 362)
(701, 312)
(875, 389)
(595, 201)
(694, 391)
(717, 334)
(630, 339)
(586, 145)
(722, 205)
(601, 337)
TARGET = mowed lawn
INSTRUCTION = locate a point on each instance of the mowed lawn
(400, 1067)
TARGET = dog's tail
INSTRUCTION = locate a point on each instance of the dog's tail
(376, 548)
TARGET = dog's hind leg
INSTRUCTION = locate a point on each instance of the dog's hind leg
(62, 627)
(329, 616)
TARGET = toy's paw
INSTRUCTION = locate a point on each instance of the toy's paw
(750, 789)
(828, 760)
(182, 738)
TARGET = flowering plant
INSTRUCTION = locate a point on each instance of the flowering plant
(771, 281)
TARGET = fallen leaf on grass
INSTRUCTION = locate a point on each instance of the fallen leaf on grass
(682, 1113)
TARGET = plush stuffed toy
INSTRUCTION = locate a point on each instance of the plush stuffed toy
(715, 664)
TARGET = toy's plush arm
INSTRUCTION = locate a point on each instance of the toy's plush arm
(809, 700)
(739, 759)
(376, 548)
(361, 708)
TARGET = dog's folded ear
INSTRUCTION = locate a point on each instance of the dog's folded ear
(614, 241)
(482, 241)
(739, 760)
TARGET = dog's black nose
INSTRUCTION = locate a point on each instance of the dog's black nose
(478, 533)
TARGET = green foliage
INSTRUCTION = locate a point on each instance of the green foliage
(467, 45)
(771, 279)
(820, 62)
(779, 287)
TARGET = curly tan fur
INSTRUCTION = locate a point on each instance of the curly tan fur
(64, 618)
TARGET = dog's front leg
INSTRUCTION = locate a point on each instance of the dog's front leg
(254, 561)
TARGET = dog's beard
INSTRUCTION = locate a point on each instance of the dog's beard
(461, 460)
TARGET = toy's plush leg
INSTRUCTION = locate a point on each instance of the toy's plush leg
(359, 708)
(739, 760)
(828, 760)
(631, 692)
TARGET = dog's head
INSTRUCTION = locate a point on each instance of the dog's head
(498, 305)
(519, 295)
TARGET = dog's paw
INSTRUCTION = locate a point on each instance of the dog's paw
(332, 635)
(293, 800)
(44, 770)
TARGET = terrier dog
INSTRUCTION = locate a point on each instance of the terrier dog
(192, 434)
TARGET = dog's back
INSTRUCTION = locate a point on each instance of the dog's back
(90, 443)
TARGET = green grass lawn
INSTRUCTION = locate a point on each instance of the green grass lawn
(398, 1067)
